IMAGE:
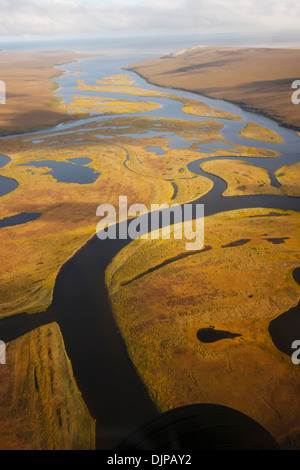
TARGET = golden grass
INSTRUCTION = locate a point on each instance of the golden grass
(289, 178)
(237, 289)
(32, 254)
(242, 178)
(42, 412)
(84, 104)
(255, 132)
(40, 405)
(189, 106)
(191, 189)
(201, 109)
(117, 79)
(241, 151)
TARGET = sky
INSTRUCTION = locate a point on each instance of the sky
(135, 17)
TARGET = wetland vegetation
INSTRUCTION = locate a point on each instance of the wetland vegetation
(151, 299)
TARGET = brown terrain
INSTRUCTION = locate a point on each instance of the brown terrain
(258, 79)
(30, 102)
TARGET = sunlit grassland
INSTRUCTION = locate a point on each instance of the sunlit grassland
(95, 105)
(33, 253)
(238, 289)
(40, 405)
(243, 178)
(255, 132)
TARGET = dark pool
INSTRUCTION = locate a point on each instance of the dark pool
(72, 171)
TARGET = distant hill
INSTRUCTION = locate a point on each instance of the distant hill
(258, 79)
(30, 99)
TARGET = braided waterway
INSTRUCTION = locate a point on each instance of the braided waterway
(106, 377)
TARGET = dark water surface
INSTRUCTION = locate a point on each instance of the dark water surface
(67, 172)
(285, 329)
(18, 219)
(7, 185)
(210, 335)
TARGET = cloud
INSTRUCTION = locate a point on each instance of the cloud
(109, 17)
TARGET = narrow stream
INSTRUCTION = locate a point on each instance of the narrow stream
(6, 184)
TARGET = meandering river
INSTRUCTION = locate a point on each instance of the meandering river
(110, 386)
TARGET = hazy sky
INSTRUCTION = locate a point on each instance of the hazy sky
(130, 17)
